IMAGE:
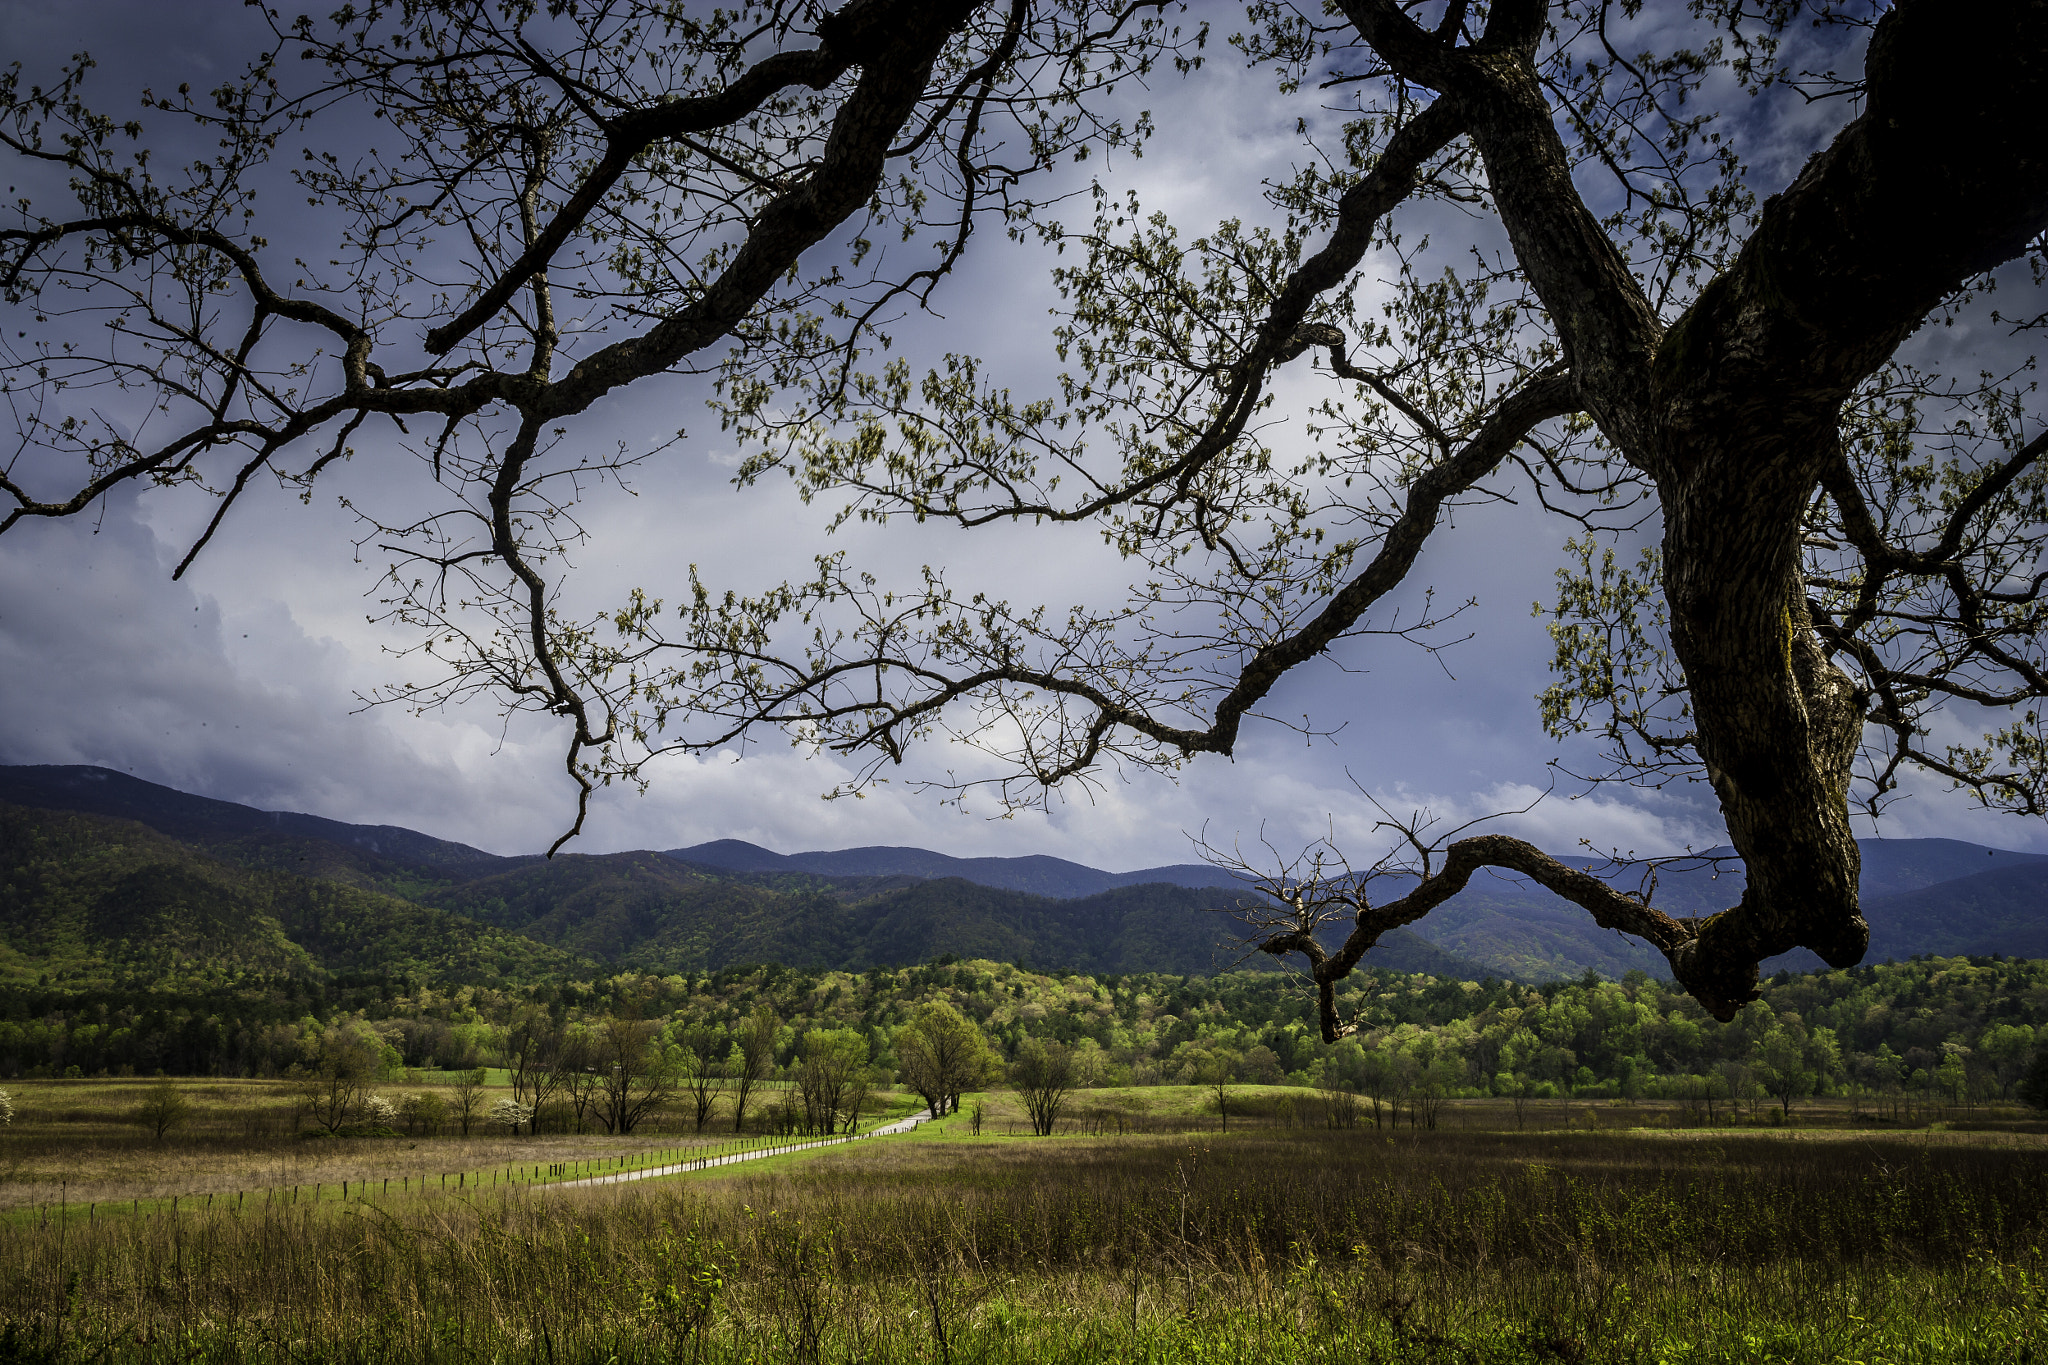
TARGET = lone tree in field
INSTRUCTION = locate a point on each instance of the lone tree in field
(163, 1107)
(330, 1086)
(828, 1064)
(467, 1092)
(1043, 1074)
(566, 201)
(941, 1054)
(702, 1070)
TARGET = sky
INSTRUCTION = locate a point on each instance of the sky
(244, 680)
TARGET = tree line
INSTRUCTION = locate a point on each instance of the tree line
(803, 1050)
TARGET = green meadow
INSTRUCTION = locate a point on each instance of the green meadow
(1147, 1228)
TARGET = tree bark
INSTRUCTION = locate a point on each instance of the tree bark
(1944, 176)
(1735, 412)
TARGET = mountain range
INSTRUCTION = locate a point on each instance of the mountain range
(79, 843)
(104, 877)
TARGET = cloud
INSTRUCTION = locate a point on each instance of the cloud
(109, 662)
(241, 683)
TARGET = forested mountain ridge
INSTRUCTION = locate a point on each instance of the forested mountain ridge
(729, 902)
(648, 912)
(89, 899)
(1034, 873)
(121, 948)
(386, 858)
(652, 912)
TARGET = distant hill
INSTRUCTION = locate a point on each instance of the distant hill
(730, 902)
(98, 901)
(1506, 925)
(655, 913)
(1036, 873)
(2006, 907)
(260, 879)
(373, 857)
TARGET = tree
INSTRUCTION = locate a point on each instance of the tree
(859, 1090)
(1519, 1089)
(510, 1113)
(1436, 1072)
(466, 1094)
(1378, 1078)
(1696, 1096)
(1847, 540)
(1260, 1065)
(753, 1057)
(1741, 1083)
(1782, 1067)
(162, 1107)
(2008, 1047)
(941, 1055)
(1340, 1106)
(1888, 1071)
(829, 1063)
(573, 1072)
(539, 1058)
(422, 1113)
(1952, 1077)
(1213, 1073)
(1042, 1073)
(581, 1088)
(330, 1087)
(635, 1074)
(701, 1071)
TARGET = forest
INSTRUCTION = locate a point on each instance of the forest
(1932, 1031)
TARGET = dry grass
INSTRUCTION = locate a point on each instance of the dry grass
(1165, 1109)
(71, 1142)
(1260, 1247)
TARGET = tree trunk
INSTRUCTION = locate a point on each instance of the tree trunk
(1734, 411)
(1776, 724)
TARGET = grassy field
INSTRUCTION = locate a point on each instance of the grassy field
(1272, 1242)
(72, 1143)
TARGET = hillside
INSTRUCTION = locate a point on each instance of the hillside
(384, 858)
(1036, 873)
(96, 899)
(92, 900)
(730, 902)
(1921, 895)
(649, 912)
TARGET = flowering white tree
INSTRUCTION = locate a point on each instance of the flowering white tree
(377, 1109)
(511, 1113)
(6, 1107)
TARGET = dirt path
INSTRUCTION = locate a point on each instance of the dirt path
(705, 1163)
